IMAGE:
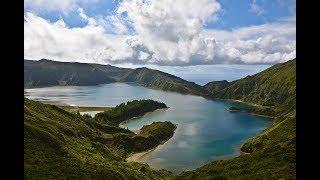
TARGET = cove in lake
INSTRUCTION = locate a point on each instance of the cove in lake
(206, 130)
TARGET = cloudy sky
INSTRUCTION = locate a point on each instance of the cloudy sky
(161, 33)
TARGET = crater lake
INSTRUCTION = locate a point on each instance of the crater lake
(206, 130)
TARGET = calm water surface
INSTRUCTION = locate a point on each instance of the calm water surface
(206, 130)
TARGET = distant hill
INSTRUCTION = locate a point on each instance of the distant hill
(59, 144)
(275, 86)
(271, 154)
(52, 73)
(164, 81)
(216, 87)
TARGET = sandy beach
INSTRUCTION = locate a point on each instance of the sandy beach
(136, 156)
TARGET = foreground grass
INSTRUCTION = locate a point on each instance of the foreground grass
(59, 144)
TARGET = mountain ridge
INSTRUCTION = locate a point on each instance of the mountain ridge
(45, 72)
(273, 87)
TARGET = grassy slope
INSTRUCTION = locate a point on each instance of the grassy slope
(216, 86)
(83, 108)
(61, 144)
(272, 154)
(275, 86)
(164, 81)
(51, 73)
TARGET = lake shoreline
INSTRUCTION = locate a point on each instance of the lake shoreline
(145, 114)
(271, 118)
(254, 114)
(135, 157)
(71, 108)
(176, 101)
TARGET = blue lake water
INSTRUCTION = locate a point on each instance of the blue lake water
(206, 130)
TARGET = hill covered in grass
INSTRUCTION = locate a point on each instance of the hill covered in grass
(271, 154)
(131, 109)
(53, 73)
(159, 80)
(273, 87)
(216, 87)
(62, 144)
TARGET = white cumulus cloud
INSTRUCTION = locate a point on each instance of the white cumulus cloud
(162, 32)
(64, 6)
(43, 39)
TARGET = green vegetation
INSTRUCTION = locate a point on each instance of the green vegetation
(216, 86)
(274, 87)
(159, 80)
(129, 110)
(61, 144)
(84, 108)
(52, 73)
(161, 131)
(255, 110)
(272, 154)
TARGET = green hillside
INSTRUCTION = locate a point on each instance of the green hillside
(216, 86)
(53, 73)
(272, 154)
(159, 80)
(61, 144)
(275, 87)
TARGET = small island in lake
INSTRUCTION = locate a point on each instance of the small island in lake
(131, 109)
